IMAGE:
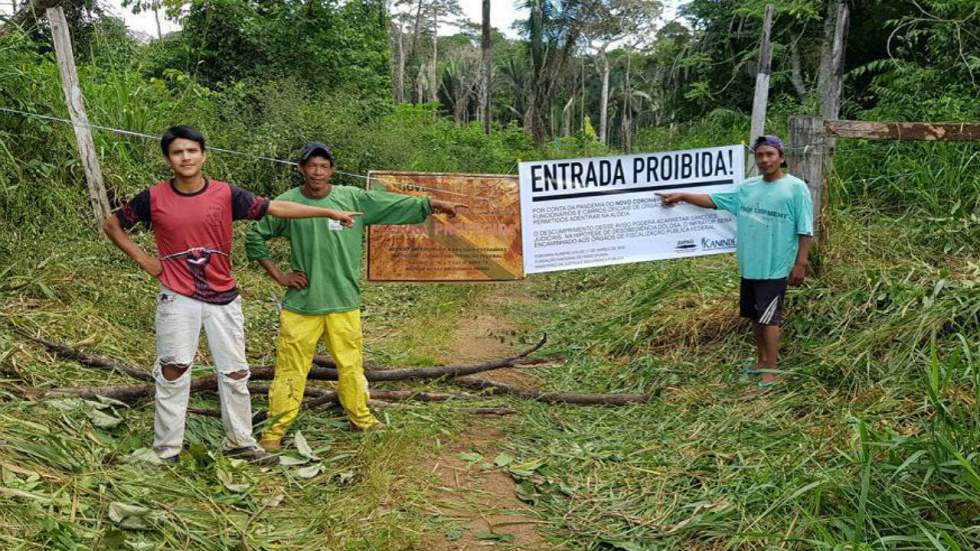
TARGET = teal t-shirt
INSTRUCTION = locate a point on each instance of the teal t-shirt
(770, 217)
(328, 253)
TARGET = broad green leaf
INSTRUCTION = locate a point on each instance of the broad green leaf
(303, 447)
(291, 461)
(503, 459)
(130, 517)
(310, 472)
(526, 468)
(111, 402)
(103, 420)
(494, 536)
(471, 457)
(145, 454)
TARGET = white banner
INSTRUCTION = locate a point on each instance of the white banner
(580, 213)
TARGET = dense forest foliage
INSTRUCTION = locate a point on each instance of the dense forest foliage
(873, 446)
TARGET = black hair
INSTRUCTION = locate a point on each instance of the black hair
(180, 131)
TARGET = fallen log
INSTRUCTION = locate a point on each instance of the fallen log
(421, 373)
(551, 397)
(326, 361)
(491, 411)
(91, 360)
(322, 397)
(268, 373)
(394, 395)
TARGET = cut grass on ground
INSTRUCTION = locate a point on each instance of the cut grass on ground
(871, 443)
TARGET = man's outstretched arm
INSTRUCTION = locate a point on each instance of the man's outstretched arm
(698, 199)
(115, 232)
(288, 209)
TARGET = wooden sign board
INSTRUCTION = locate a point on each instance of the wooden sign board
(482, 243)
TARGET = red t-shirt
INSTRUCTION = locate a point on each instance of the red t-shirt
(193, 234)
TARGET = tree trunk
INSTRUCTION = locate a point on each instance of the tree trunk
(420, 84)
(627, 109)
(156, 17)
(832, 61)
(400, 67)
(604, 98)
(826, 52)
(487, 67)
(414, 53)
(566, 117)
(582, 100)
(796, 76)
(433, 77)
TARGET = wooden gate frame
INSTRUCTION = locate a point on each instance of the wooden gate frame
(812, 142)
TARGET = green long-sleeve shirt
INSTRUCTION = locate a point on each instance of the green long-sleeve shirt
(328, 253)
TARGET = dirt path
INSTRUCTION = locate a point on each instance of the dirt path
(479, 498)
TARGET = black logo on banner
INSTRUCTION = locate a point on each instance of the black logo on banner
(714, 244)
(685, 245)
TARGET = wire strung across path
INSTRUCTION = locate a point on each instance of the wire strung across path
(141, 135)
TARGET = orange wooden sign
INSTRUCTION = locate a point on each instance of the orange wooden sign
(482, 243)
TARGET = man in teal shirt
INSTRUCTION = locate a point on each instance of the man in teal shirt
(774, 219)
(323, 299)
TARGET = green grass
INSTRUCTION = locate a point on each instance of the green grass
(63, 475)
(872, 443)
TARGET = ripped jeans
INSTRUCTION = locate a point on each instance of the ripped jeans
(178, 329)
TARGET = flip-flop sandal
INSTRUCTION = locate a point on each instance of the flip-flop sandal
(751, 371)
(769, 384)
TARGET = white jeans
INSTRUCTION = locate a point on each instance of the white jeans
(178, 329)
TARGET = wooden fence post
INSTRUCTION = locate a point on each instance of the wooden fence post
(807, 161)
(831, 78)
(760, 100)
(76, 110)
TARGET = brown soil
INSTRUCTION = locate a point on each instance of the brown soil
(488, 335)
(479, 498)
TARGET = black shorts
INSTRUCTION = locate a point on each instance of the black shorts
(761, 300)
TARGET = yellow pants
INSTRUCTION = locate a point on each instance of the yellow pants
(298, 335)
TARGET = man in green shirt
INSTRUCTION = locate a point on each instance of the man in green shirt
(774, 225)
(324, 295)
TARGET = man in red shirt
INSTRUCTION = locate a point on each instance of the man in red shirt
(191, 217)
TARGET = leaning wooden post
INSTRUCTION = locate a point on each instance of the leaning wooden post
(831, 89)
(76, 110)
(806, 161)
(760, 100)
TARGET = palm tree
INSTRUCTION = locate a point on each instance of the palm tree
(514, 72)
(458, 87)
